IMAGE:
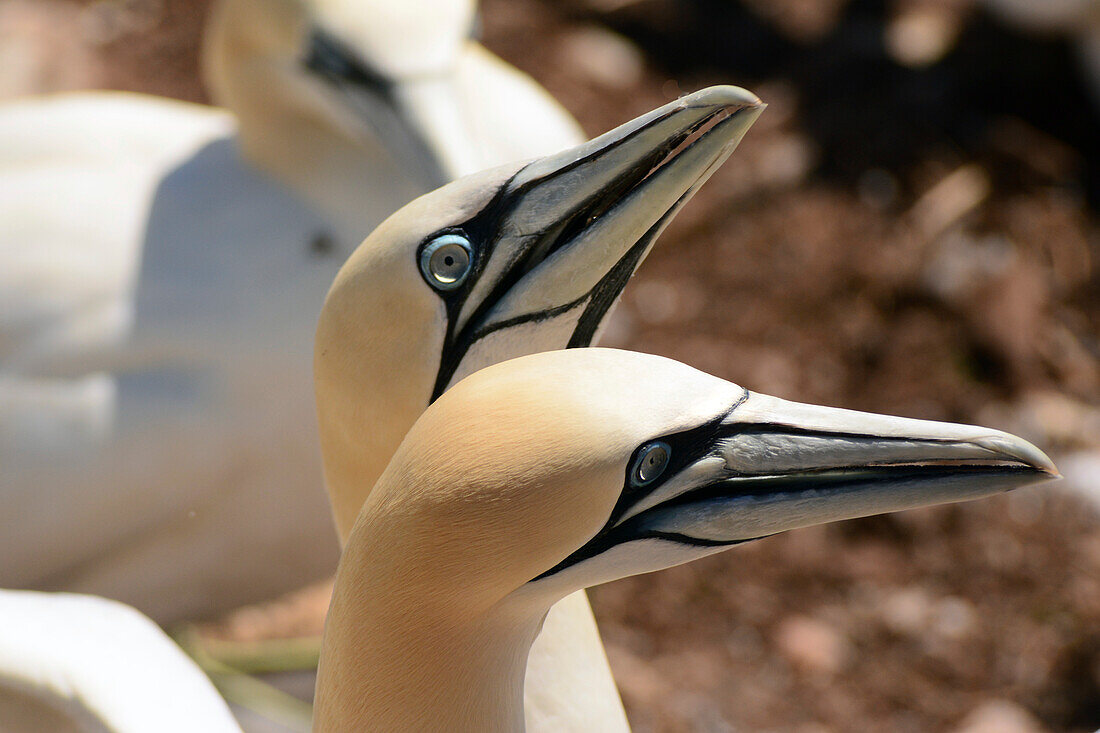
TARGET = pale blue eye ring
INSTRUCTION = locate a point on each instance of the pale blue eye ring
(651, 462)
(446, 261)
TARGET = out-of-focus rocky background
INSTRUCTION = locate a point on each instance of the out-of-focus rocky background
(910, 228)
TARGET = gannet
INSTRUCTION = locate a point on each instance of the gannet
(546, 474)
(79, 663)
(548, 257)
(523, 258)
(161, 269)
(528, 481)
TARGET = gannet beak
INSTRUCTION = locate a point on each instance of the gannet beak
(568, 230)
(779, 465)
(770, 465)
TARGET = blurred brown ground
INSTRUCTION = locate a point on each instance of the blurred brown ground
(907, 230)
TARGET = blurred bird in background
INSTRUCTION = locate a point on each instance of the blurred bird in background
(163, 266)
(73, 664)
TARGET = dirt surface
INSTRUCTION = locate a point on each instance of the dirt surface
(907, 229)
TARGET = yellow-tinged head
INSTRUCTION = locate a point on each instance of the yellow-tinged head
(565, 469)
(552, 472)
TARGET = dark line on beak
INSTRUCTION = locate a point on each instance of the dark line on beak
(611, 286)
(609, 541)
(695, 444)
(533, 317)
(757, 428)
(831, 479)
(608, 290)
(762, 487)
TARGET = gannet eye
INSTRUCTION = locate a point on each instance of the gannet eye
(446, 261)
(650, 463)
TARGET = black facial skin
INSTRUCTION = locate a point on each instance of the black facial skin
(329, 57)
(686, 447)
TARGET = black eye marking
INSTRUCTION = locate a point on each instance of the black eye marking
(370, 94)
(331, 58)
(478, 228)
(672, 454)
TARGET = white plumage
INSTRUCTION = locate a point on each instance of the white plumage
(161, 269)
(73, 662)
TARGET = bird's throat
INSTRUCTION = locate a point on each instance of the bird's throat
(415, 661)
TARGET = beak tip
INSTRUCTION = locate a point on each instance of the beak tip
(1048, 467)
(1021, 450)
(725, 95)
(1041, 462)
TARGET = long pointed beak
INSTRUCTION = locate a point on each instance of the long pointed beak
(775, 465)
(568, 231)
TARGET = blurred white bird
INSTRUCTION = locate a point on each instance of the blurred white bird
(80, 663)
(161, 268)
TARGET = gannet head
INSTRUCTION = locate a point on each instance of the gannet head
(566, 469)
(400, 82)
(552, 472)
(515, 260)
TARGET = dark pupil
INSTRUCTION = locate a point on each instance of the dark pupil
(448, 260)
(651, 463)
